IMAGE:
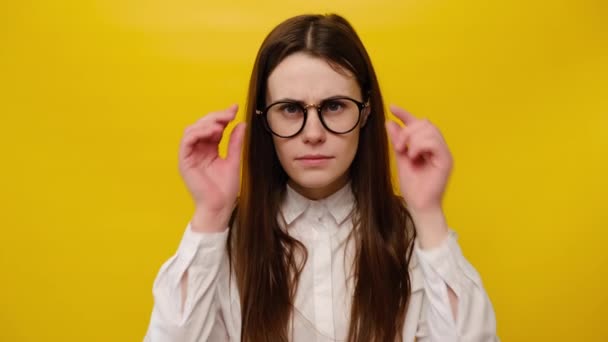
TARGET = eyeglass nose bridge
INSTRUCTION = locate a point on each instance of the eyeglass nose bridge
(316, 106)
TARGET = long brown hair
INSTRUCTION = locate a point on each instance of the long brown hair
(264, 257)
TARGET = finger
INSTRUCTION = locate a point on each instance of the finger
(401, 138)
(404, 139)
(422, 147)
(205, 125)
(393, 129)
(227, 114)
(398, 136)
(423, 140)
(224, 117)
(210, 133)
(403, 115)
(428, 131)
(423, 133)
(207, 133)
(420, 125)
(235, 144)
(422, 128)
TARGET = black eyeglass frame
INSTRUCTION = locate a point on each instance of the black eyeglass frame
(264, 114)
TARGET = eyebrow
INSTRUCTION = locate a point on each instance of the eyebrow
(287, 99)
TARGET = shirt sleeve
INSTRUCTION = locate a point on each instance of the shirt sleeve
(201, 254)
(445, 266)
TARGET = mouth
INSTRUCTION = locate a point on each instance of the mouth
(314, 159)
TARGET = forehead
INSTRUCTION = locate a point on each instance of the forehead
(310, 79)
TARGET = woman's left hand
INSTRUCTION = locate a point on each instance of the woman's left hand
(424, 164)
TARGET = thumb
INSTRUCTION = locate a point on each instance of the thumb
(233, 109)
(392, 129)
(235, 144)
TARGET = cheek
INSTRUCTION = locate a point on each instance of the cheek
(347, 148)
(283, 150)
(353, 146)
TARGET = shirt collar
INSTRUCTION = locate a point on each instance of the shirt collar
(339, 204)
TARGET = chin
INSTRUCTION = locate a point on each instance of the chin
(315, 180)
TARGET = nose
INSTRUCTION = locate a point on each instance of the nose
(313, 132)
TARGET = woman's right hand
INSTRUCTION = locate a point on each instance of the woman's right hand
(212, 181)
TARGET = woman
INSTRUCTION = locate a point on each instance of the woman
(317, 247)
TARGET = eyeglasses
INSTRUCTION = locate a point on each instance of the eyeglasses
(338, 115)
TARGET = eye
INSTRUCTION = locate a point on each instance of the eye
(333, 106)
(290, 108)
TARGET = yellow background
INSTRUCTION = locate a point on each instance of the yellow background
(94, 97)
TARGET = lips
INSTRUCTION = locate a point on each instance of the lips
(314, 160)
(313, 157)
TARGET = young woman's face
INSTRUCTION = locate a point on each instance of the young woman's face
(316, 160)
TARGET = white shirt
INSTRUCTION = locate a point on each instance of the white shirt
(322, 303)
